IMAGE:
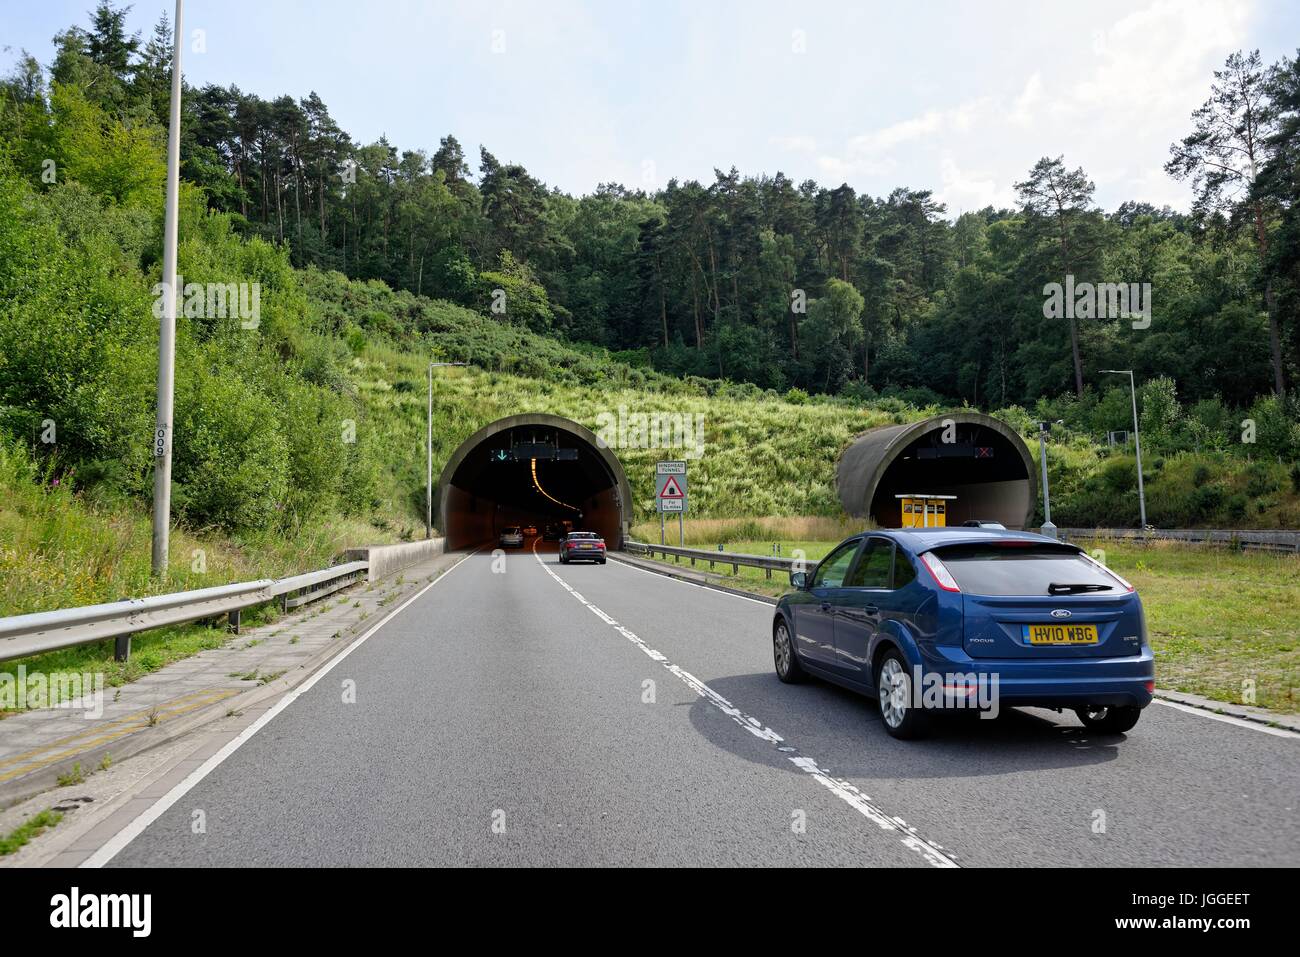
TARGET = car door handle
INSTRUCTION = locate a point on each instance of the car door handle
(863, 613)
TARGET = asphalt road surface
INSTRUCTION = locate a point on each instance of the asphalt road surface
(550, 714)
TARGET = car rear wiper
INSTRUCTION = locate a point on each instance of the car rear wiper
(1058, 588)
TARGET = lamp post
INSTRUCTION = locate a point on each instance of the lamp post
(1137, 441)
(162, 436)
(1047, 528)
(428, 484)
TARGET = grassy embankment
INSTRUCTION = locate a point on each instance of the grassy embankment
(60, 549)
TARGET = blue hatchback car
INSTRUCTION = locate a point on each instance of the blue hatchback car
(978, 618)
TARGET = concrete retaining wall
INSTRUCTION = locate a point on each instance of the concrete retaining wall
(387, 560)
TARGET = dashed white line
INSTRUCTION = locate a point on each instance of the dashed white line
(929, 851)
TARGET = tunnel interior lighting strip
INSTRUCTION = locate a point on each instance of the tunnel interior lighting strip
(538, 485)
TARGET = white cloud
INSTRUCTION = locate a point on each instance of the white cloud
(1030, 98)
(1152, 60)
(879, 141)
(966, 190)
(1111, 102)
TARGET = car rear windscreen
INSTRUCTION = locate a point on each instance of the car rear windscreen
(1022, 569)
(575, 536)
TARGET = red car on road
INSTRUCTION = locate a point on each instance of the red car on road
(582, 547)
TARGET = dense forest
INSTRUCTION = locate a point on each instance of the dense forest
(761, 280)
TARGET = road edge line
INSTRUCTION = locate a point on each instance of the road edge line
(119, 841)
(1232, 719)
(670, 574)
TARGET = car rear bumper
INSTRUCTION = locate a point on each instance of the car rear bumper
(1059, 682)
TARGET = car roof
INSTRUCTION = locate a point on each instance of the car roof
(923, 539)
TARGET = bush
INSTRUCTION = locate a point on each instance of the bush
(231, 462)
(1261, 479)
(1277, 426)
(1207, 500)
(1119, 474)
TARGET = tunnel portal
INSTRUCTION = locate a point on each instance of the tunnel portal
(980, 460)
(534, 469)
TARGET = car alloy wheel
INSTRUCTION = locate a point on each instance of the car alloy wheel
(895, 693)
(788, 668)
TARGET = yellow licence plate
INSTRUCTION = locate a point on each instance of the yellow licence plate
(1061, 634)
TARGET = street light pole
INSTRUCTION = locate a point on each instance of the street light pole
(1047, 528)
(162, 438)
(428, 481)
(1137, 440)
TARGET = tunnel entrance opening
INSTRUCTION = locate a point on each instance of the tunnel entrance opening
(532, 469)
(978, 459)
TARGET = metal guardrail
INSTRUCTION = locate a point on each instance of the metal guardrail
(23, 635)
(1277, 541)
(768, 563)
(1281, 541)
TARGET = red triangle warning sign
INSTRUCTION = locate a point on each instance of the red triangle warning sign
(671, 489)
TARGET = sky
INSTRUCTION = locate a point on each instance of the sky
(961, 98)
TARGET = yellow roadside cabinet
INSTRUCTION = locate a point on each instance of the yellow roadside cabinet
(924, 510)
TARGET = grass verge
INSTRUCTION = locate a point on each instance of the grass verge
(32, 827)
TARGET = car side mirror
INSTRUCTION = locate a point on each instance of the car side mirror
(799, 580)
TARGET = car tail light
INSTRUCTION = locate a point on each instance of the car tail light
(942, 577)
(1151, 687)
(1086, 557)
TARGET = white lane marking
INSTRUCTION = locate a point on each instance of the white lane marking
(930, 852)
(133, 830)
(1199, 712)
(1226, 718)
(716, 591)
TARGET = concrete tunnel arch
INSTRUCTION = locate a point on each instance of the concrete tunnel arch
(988, 467)
(478, 497)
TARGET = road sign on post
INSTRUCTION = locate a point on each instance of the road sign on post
(670, 486)
(670, 495)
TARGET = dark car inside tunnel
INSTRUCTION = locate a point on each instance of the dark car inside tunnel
(531, 470)
(977, 459)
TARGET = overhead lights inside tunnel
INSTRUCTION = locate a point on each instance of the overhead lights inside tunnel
(538, 485)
